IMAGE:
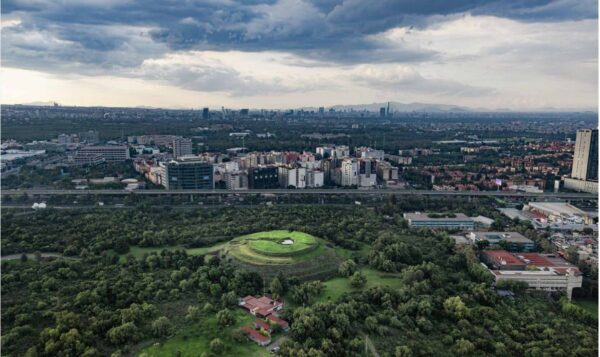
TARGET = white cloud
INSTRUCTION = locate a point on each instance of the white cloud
(480, 61)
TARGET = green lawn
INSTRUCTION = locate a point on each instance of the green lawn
(336, 287)
(270, 242)
(194, 340)
(243, 253)
(589, 305)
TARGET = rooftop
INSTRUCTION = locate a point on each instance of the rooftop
(503, 256)
(514, 237)
(255, 334)
(558, 208)
(277, 320)
(418, 216)
(546, 264)
(262, 324)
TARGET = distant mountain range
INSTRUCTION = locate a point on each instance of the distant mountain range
(403, 107)
(394, 107)
(441, 108)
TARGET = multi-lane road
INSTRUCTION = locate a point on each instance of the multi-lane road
(561, 195)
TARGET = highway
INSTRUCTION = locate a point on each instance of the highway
(561, 195)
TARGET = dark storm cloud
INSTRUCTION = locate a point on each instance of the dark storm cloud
(108, 36)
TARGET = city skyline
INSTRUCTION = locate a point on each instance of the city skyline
(292, 54)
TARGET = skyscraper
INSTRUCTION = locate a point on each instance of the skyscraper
(205, 113)
(585, 159)
(182, 147)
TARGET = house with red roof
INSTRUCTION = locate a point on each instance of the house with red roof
(261, 324)
(256, 336)
(276, 320)
(262, 306)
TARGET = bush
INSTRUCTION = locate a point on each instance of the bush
(358, 280)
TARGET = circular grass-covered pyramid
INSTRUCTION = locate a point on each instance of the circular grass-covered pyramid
(291, 252)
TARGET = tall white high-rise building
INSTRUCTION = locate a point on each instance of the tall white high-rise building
(349, 172)
(585, 159)
(584, 175)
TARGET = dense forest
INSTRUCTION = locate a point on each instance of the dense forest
(101, 297)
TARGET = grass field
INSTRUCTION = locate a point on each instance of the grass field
(589, 305)
(270, 242)
(336, 287)
(320, 261)
(257, 248)
(194, 340)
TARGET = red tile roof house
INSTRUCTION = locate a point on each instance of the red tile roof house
(262, 306)
(278, 321)
(256, 336)
(260, 324)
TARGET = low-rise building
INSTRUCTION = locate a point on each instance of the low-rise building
(262, 325)
(581, 185)
(559, 212)
(87, 159)
(256, 336)
(540, 271)
(111, 153)
(262, 306)
(274, 319)
(434, 221)
(512, 241)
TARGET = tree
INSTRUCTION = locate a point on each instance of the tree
(497, 225)
(483, 244)
(217, 346)
(193, 313)
(304, 293)
(403, 351)
(207, 308)
(573, 255)
(276, 287)
(358, 280)
(463, 347)
(455, 307)
(225, 317)
(347, 268)
(229, 299)
(161, 327)
(285, 284)
(123, 334)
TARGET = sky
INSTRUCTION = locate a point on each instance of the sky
(517, 54)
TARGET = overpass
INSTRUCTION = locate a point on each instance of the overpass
(557, 195)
